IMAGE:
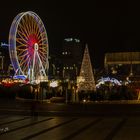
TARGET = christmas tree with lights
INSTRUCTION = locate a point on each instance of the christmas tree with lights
(85, 81)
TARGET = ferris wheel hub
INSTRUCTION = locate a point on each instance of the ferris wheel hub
(36, 46)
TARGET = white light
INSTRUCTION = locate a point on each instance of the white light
(54, 84)
(84, 100)
(107, 79)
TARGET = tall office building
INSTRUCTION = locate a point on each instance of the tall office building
(72, 53)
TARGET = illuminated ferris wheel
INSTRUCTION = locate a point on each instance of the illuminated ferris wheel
(28, 46)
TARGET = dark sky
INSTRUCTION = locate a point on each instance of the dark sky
(107, 26)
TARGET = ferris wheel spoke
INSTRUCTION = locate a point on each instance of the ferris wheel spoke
(23, 30)
(42, 53)
(44, 34)
(32, 22)
(40, 34)
(41, 40)
(21, 51)
(29, 24)
(36, 28)
(24, 62)
(20, 41)
(22, 33)
(32, 25)
(43, 47)
(25, 24)
(22, 54)
(41, 29)
(25, 58)
(21, 37)
(22, 46)
(27, 19)
(25, 68)
(37, 32)
(22, 58)
(43, 58)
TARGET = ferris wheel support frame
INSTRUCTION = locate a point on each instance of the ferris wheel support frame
(42, 70)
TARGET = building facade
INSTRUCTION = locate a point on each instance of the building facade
(4, 60)
(72, 52)
(123, 63)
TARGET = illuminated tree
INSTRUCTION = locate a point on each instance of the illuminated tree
(85, 81)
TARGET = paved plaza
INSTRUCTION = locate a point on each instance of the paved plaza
(18, 127)
(90, 121)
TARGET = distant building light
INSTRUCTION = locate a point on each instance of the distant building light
(77, 40)
(68, 39)
(64, 53)
(71, 39)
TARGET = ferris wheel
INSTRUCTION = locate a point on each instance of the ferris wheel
(28, 46)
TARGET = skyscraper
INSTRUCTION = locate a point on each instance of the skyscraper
(71, 58)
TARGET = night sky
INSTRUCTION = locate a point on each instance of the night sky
(107, 26)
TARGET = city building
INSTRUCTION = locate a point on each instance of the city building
(4, 60)
(1, 61)
(72, 53)
(55, 66)
(123, 63)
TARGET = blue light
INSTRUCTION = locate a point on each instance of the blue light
(4, 44)
(22, 77)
